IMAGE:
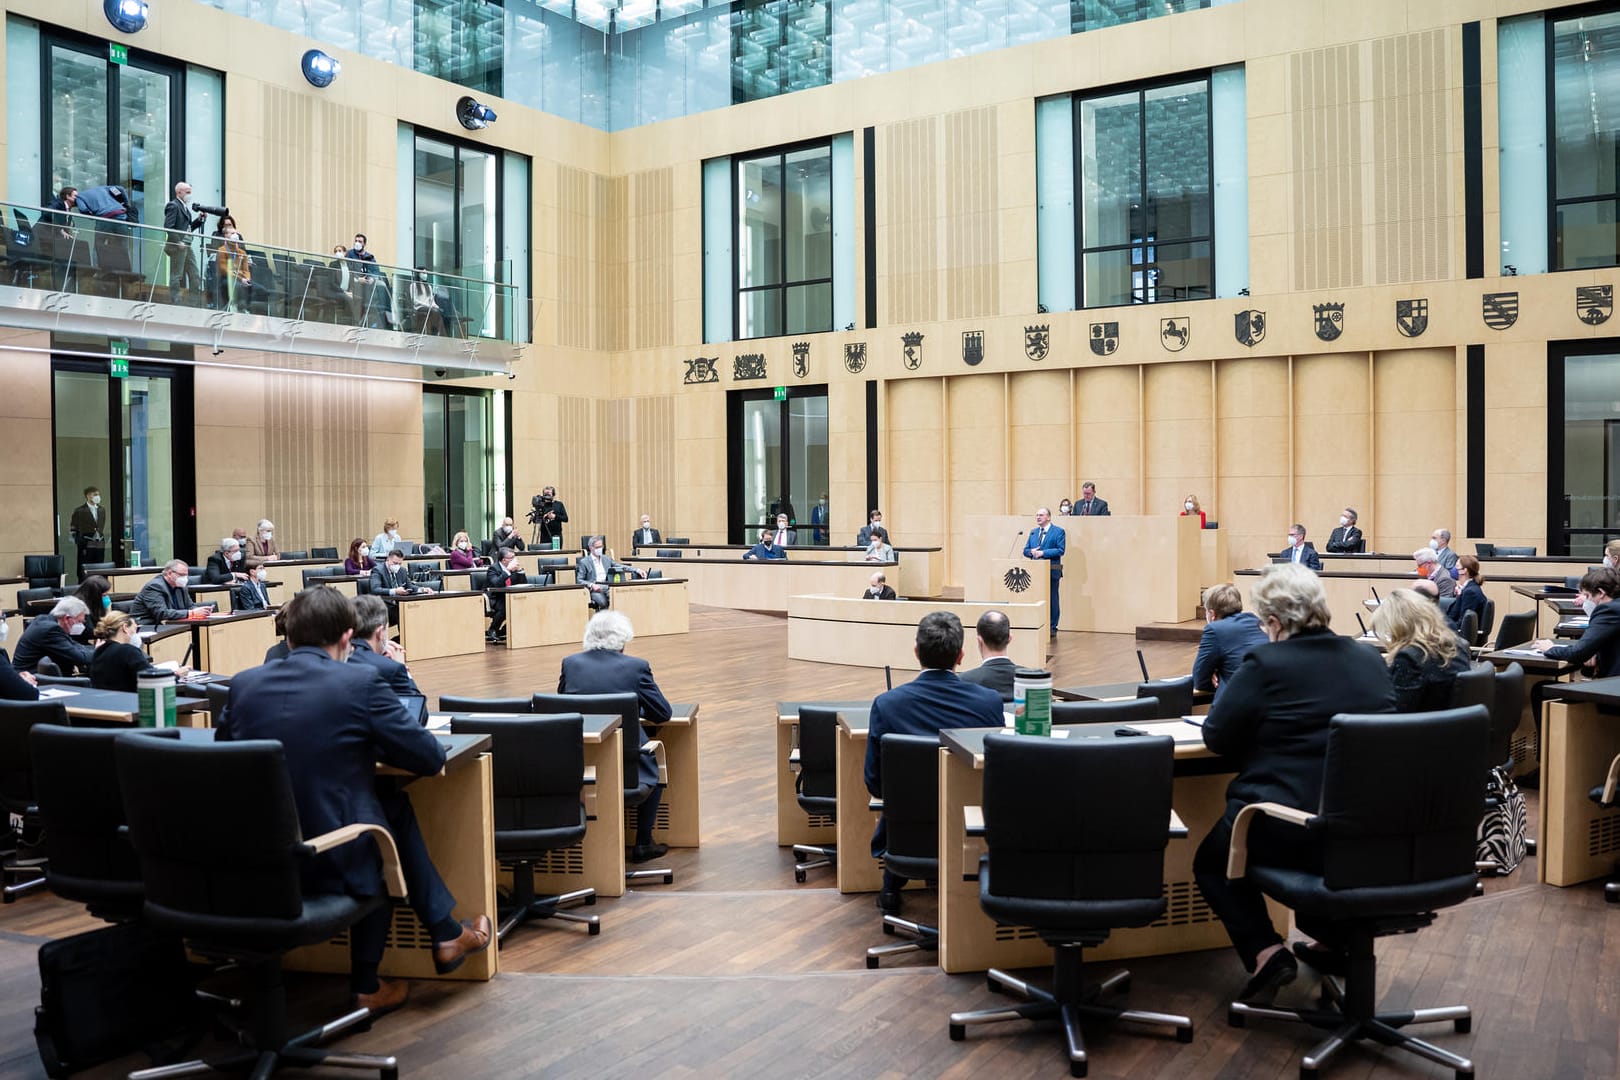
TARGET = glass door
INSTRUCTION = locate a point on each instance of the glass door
(131, 439)
(458, 226)
(457, 464)
(777, 462)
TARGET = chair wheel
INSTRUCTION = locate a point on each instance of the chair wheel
(590, 901)
(595, 929)
(1077, 1068)
(1184, 1035)
(1235, 1019)
(887, 929)
(871, 963)
(669, 879)
(958, 1032)
(1463, 1026)
(798, 875)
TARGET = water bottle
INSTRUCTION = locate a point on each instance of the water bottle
(155, 689)
(1032, 702)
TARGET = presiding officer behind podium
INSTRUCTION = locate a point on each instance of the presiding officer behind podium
(336, 721)
(932, 702)
(1271, 720)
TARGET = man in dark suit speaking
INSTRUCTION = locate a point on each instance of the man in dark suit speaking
(1048, 541)
(996, 672)
(336, 721)
(603, 668)
(935, 700)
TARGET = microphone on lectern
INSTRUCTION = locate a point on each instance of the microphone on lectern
(1017, 538)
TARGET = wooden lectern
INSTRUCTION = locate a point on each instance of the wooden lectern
(1012, 581)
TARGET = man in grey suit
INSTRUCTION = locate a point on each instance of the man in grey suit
(1089, 505)
(1440, 542)
(166, 598)
(595, 569)
(996, 672)
(782, 536)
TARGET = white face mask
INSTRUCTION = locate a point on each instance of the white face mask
(76, 629)
(596, 552)
(1434, 545)
(267, 534)
(95, 500)
(1588, 606)
(1608, 561)
(236, 556)
(1343, 520)
(1187, 506)
(1290, 542)
(5, 629)
(263, 575)
(393, 534)
(464, 546)
(365, 553)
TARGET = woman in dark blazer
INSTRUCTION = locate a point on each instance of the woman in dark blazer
(118, 661)
(14, 685)
(1425, 655)
(359, 560)
(1470, 597)
(1271, 722)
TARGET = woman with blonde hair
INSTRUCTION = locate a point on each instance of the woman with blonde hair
(118, 661)
(1425, 655)
(1190, 506)
(462, 556)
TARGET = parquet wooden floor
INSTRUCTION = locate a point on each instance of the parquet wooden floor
(736, 971)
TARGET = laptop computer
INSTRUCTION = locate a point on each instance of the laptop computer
(417, 706)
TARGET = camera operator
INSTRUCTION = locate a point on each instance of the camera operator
(548, 515)
(182, 216)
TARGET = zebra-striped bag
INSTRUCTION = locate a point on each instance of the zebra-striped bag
(1500, 841)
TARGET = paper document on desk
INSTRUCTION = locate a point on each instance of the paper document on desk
(48, 692)
(1178, 730)
(1522, 652)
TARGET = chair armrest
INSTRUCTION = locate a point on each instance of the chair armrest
(973, 820)
(393, 875)
(793, 760)
(590, 775)
(1611, 781)
(1237, 858)
(657, 747)
(587, 795)
(875, 805)
(1178, 828)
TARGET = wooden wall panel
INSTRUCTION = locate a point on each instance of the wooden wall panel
(28, 526)
(610, 295)
(698, 491)
(1178, 436)
(574, 257)
(908, 228)
(846, 460)
(1040, 441)
(652, 232)
(1414, 447)
(1515, 431)
(1324, 91)
(1411, 184)
(975, 438)
(914, 482)
(1252, 438)
(1332, 444)
(1107, 408)
(972, 247)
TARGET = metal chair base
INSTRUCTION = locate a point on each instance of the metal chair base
(925, 938)
(31, 875)
(812, 857)
(666, 876)
(301, 1052)
(550, 907)
(1044, 1005)
(1346, 1028)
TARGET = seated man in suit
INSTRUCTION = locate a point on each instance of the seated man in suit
(1346, 539)
(1301, 551)
(336, 722)
(53, 636)
(503, 575)
(1229, 634)
(373, 647)
(225, 566)
(390, 579)
(877, 588)
(1089, 505)
(166, 597)
(994, 631)
(253, 594)
(595, 568)
(1049, 542)
(646, 535)
(783, 536)
(506, 536)
(873, 527)
(935, 700)
(1598, 645)
(767, 548)
(1428, 566)
(1440, 543)
(603, 668)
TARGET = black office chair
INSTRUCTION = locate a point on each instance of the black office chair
(631, 740)
(219, 696)
(43, 571)
(817, 783)
(25, 858)
(324, 553)
(1468, 630)
(451, 703)
(216, 832)
(1476, 686)
(676, 540)
(427, 574)
(1487, 623)
(81, 809)
(33, 601)
(1175, 696)
(1504, 830)
(910, 808)
(668, 553)
(1607, 795)
(1396, 826)
(98, 568)
(1514, 552)
(295, 554)
(315, 575)
(1076, 832)
(1142, 710)
(539, 779)
(1516, 629)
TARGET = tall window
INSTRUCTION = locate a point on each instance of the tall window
(1146, 222)
(1585, 87)
(1583, 462)
(457, 463)
(459, 230)
(784, 241)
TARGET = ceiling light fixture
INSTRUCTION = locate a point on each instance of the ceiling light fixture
(474, 116)
(319, 69)
(126, 16)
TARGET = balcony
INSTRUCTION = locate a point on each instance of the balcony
(69, 272)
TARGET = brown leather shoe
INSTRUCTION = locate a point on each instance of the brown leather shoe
(475, 938)
(390, 995)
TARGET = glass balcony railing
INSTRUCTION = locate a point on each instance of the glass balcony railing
(82, 255)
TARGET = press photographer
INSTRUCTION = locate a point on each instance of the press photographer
(181, 215)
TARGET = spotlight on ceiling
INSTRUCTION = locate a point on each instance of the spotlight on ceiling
(474, 116)
(319, 69)
(127, 16)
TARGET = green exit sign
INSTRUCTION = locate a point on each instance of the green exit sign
(781, 393)
(120, 359)
(118, 54)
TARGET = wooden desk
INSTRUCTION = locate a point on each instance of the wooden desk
(858, 871)
(654, 606)
(920, 572)
(219, 595)
(1526, 744)
(878, 633)
(227, 644)
(1579, 839)
(793, 825)
(563, 572)
(1101, 692)
(9, 604)
(763, 585)
(678, 816)
(544, 614)
(441, 624)
(111, 706)
(971, 941)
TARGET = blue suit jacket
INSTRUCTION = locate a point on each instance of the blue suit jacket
(1307, 556)
(336, 722)
(392, 671)
(1222, 647)
(250, 596)
(1053, 547)
(603, 671)
(765, 549)
(932, 702)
